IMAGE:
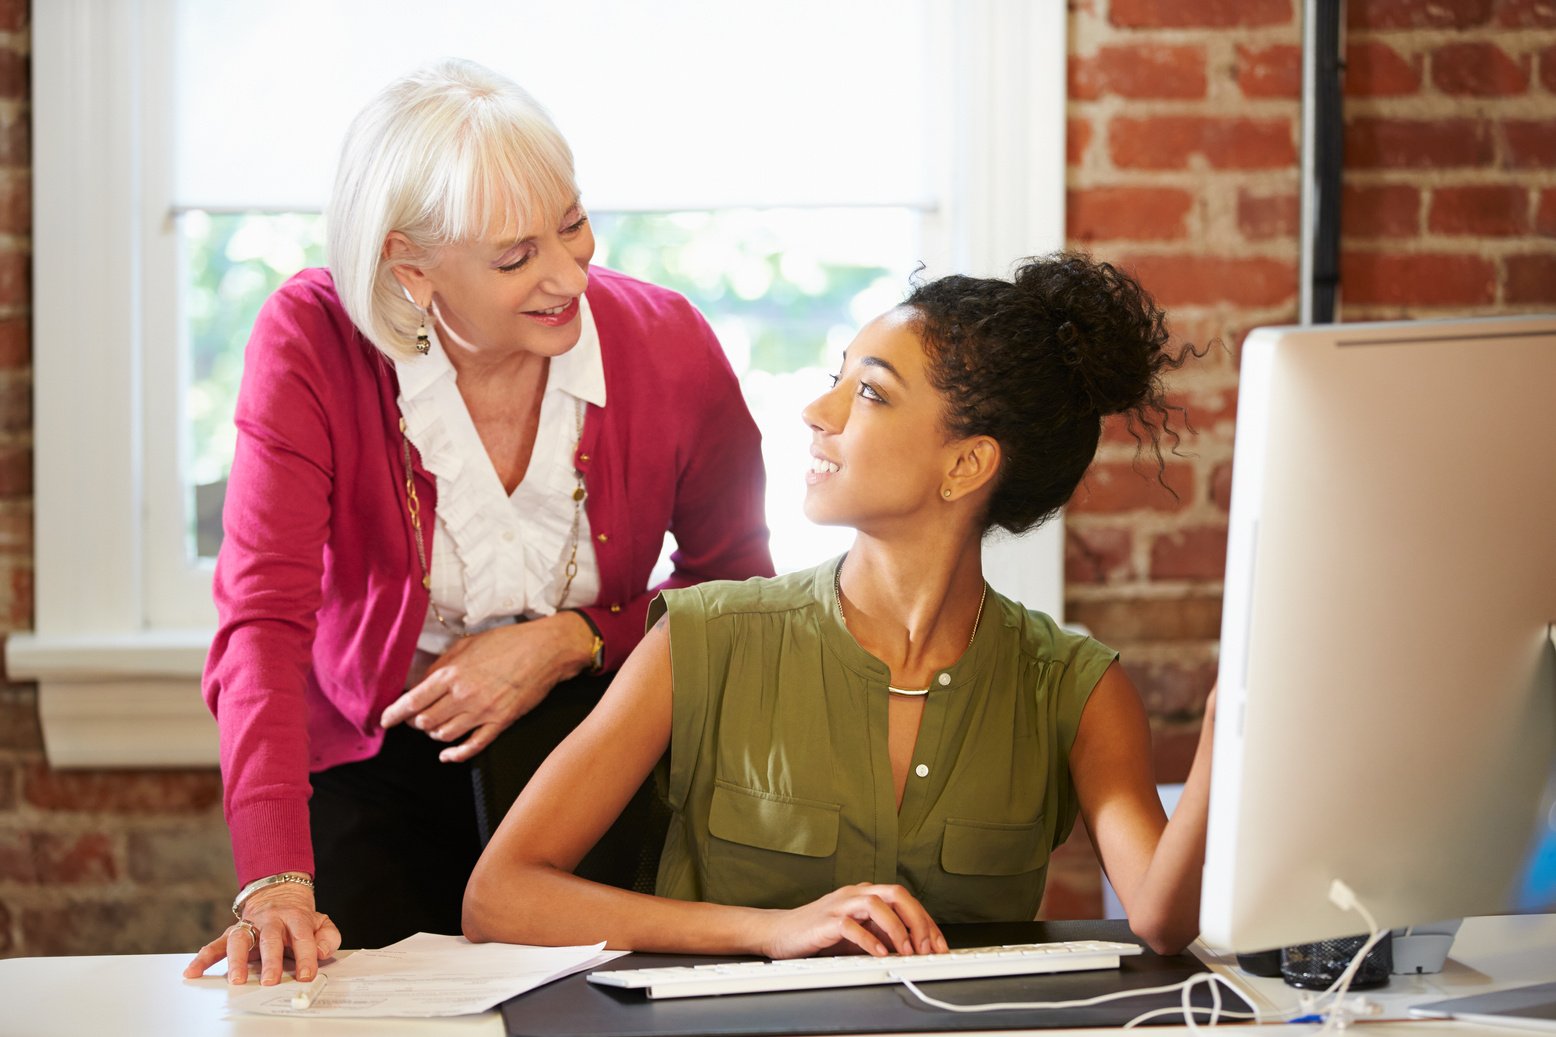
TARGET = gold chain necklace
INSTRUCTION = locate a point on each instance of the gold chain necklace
(837, 589)
(413, 507)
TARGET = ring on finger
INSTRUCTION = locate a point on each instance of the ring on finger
(248, 927)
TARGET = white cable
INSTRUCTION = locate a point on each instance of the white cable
(1003, 1006)
(1182, 987)
(1281, 1016)
(1336, 1017)
(1334, 1013)
(1187, 1004)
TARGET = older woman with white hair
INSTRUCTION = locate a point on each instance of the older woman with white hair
(459, 451)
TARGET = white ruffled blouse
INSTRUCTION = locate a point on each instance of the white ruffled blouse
(496, 556)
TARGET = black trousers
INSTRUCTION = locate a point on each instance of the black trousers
(396, 837)
(394, 841)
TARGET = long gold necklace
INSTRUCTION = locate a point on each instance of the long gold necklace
(837, 588)
(413, 507)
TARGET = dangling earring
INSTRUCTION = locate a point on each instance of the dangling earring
(946, 493)
(423, 343)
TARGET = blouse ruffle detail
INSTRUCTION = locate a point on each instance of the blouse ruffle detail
(495, 555)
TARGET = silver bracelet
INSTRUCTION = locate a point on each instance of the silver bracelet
(301, 878)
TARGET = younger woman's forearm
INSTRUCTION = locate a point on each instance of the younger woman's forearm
(1166, 913)
(540, 905)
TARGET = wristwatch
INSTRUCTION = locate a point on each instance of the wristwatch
(596, 650)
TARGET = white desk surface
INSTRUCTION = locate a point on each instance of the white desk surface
(144, 994)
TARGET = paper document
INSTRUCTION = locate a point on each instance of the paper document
(426, 975)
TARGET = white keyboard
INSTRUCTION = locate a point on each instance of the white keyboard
(858, 970)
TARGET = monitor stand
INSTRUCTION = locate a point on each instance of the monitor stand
(1537, 888)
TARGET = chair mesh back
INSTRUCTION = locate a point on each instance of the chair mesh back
(627, 855)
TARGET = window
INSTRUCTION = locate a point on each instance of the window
(786, 179)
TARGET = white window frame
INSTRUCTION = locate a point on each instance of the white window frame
(116, 656)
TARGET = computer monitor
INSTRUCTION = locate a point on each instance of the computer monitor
(1387, 704)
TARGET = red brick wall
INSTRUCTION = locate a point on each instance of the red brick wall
(1450, 191)
(1183, 152)
(18, 711)
(1184, 136)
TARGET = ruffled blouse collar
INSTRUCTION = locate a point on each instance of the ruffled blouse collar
(468, 507)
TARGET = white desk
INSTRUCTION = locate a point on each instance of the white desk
(144, 995)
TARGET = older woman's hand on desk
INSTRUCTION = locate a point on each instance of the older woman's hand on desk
(485, 682)
(874, 918)
(276, 922)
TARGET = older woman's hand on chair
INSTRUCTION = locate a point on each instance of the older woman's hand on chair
(485, 682)
(277, 922)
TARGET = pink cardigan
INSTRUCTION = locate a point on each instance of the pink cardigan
(318, 585)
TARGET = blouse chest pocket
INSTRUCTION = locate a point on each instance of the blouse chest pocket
(768, 850)
(989, 871)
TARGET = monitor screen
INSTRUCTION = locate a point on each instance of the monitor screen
(1387, 704)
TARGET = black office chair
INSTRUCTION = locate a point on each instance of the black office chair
(627, 855)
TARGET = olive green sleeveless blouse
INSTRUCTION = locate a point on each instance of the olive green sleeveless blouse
(778, 777)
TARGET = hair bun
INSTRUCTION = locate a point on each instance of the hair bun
(1109, 333)
(1035, 362)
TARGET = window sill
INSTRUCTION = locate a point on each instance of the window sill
(119, 700)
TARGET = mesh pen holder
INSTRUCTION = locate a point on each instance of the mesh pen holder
(1314, 966)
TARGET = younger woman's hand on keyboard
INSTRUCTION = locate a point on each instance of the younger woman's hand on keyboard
(874, 919)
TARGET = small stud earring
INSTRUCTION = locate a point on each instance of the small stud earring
(946, 493)
(423, 343)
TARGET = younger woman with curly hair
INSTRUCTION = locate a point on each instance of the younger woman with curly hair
(862, 750)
